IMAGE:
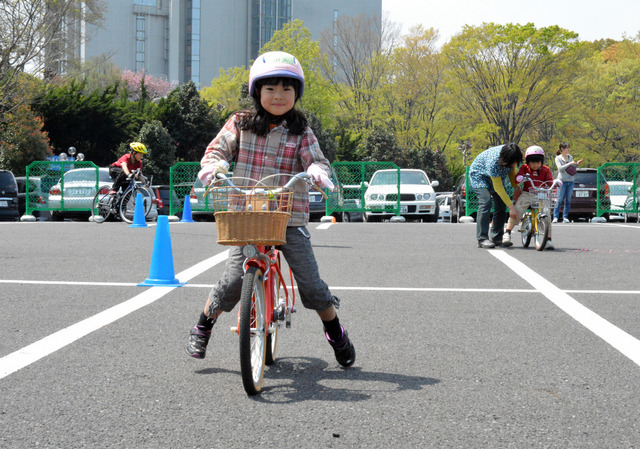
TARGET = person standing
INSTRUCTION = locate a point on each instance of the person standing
(488, 174)
(567, 174)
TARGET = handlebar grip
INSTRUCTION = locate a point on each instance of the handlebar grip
(319, 189)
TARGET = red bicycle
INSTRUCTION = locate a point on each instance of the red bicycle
(256, 218)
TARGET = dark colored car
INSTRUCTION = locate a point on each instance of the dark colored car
(459, 200)
(163, 195)
(37, 198)
(9, 207)
(585, 195)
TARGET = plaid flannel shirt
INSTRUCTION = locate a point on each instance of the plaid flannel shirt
(259, 156)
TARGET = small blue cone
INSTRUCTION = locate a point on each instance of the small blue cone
(161, 272)
(138, 213)
(186, 211)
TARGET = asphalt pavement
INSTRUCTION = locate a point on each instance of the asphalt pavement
(457, 347)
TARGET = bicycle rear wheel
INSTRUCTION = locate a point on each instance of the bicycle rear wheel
(526, 228)
(542, 234)
(128, 204)
(252, 331)
(101, 207)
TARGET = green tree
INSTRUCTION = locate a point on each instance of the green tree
(512, 77)
(228, 93)
(414, 99)
(607, 106)
(162, 151)
(190, 120)
(22, 140)
(95, 123)
(318, 97)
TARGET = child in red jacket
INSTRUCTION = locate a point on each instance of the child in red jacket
(541, 176)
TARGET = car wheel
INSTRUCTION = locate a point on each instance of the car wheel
(346, 217)
(56, 216)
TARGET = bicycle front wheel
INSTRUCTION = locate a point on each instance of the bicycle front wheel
(252, 330)
(101, 207)
(542, 234)
(526, 230)
(128, 204)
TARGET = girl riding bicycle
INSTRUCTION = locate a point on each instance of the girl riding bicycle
(273, 137)
(541, 176)
(126, 165)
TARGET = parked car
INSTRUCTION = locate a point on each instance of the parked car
(619, 193)
(417, 197)
(79, 191)
(459, 200)
(37, 198)
(444, 206)
(9, 207)
(632, 203)
(585, 193)
(164, 196)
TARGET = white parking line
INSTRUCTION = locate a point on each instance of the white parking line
(41, 348)
(616, 337)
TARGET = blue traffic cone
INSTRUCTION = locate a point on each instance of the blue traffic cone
(161, 272)
(186, 211)
(138, 213)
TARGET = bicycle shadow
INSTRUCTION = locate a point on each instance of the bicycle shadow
(297, 379)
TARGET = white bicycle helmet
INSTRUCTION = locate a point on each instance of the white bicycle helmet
(275, 63)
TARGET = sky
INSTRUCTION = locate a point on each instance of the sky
(591, 19)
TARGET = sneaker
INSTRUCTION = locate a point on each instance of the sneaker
(555, 220)
(506, 239)
(566, 220)
(198, 340)
(345, 352)
(549, 245)
(486, 244)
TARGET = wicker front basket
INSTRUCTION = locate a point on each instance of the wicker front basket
(252, 228)
(257, 216)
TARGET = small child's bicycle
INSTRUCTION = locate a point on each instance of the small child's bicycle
(537, 219)
(256, 218)
(123, 203)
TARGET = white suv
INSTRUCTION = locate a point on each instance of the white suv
(417, 197)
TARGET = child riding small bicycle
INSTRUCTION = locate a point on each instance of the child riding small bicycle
(540, 175)
(124, 167)
(273, 137)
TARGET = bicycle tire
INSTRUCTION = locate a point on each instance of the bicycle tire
(252, 331)
(128, 203)
(542, 232)
(526, 230)
(101, 207)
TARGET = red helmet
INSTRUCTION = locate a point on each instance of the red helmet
(275, 63)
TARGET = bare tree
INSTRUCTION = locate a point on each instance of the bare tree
(354, 47)
(34, 35)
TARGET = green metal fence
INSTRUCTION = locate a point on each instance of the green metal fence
(182, 178)
(620, 196)
(58, 186)
(353, 179)
(471, 202)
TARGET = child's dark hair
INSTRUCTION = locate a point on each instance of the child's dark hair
(561, 147)
(258, 119)
(510, 154)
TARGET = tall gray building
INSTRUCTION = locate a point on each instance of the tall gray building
(193, 39)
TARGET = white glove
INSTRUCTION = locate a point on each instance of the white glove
(320, 176)
(207, 173)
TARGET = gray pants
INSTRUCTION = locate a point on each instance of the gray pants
(313, 291)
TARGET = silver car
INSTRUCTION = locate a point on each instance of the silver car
(79, 190)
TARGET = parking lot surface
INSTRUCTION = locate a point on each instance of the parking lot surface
(457, 347)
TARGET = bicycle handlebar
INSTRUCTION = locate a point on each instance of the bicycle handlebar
(302, 176)
(540, 188)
